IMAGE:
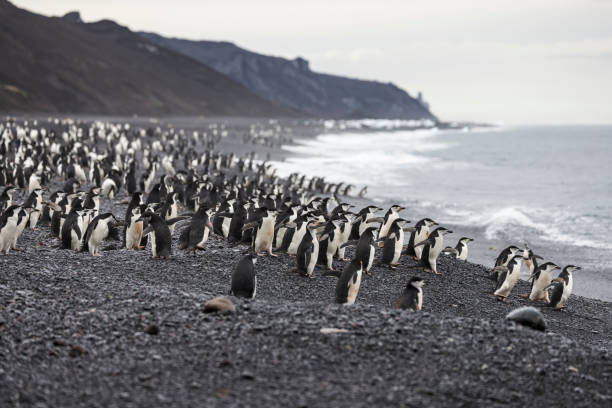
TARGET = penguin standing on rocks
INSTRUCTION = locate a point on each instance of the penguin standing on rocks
(8, 228)
(541, 279)
(159, 231)
(196, 234)
(360, 223)
(366, 248)
(394, 244)
(308, 251)
(264, 236)
(420, 234)
(432, 247)
(562, 287)
(35, 201)
(504, 257)
(100, 228)
(460, 250)
(391, 215)
(244, 278)
(349, 281)
(507, 277)
(134, 228)
(412, 295)
(330, 242)
(22, 221)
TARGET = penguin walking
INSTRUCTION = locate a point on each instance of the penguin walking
(504, 257)
(244, 278)
(72, 230)
(196, 234)
(349, 281)
(412, 295)
(432, 247)
(394, 244)
(507, 277)
(541, 279)
(460, 250)
(308, 250)
(420, 234)
(562, 287)
(100, 228)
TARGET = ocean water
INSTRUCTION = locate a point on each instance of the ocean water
(548, 186)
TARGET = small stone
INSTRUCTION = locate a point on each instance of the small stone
(332, 330)
(219, 304)
(528, 316)
(153, 330)
(76, 350)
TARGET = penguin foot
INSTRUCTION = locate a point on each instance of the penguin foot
(501, 299)
(261, 253)
(35, 229)
(271, 254)
(140, 247)
(393, 266)
(344, 259)
(16, 249)
(96, 254)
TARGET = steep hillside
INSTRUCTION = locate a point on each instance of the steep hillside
(63, 65)
(292, 83)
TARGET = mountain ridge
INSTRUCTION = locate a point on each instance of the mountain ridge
(292, 83)
(63, 65)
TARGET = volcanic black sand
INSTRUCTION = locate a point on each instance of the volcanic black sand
(128, 330)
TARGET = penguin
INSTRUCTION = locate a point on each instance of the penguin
(366, 248)
(531, 260)
(100, 228)
(391, 215)
(330, 241)
(360, 223)
(72, 230)
(308, 251)
(507, 277)
(299, 230)
(159, 231)
(504, 257)
(461, 249)
(264, 235)
(34, 201)
(394, 244)
(244, 278)
(169, 209)
(562, 287)
(541, 279)
(432, 247)
(412, 295)
(345, 234)
(8, 228)
(348, 284)
(6, 198)
(134, 228)
(196, 234)
(22, 221)
(420, 234)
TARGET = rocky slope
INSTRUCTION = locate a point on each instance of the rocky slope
(62, 65)
(292, 83)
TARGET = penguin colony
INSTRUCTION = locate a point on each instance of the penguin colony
(177, 183)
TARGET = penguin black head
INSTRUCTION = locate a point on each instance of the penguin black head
(465, 240)
(397, 208)
(572, 268)
(416, 282)
(441, 231)
(549, 266)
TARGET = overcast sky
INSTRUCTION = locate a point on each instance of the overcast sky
(532, 61)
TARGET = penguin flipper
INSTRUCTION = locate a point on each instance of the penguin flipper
(172, 221)
(335, 273)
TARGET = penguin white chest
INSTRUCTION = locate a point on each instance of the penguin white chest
(399, 244)
(265, 235)
(353, 287)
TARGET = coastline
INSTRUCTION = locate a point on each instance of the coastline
(74, 332)
(594, 282)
